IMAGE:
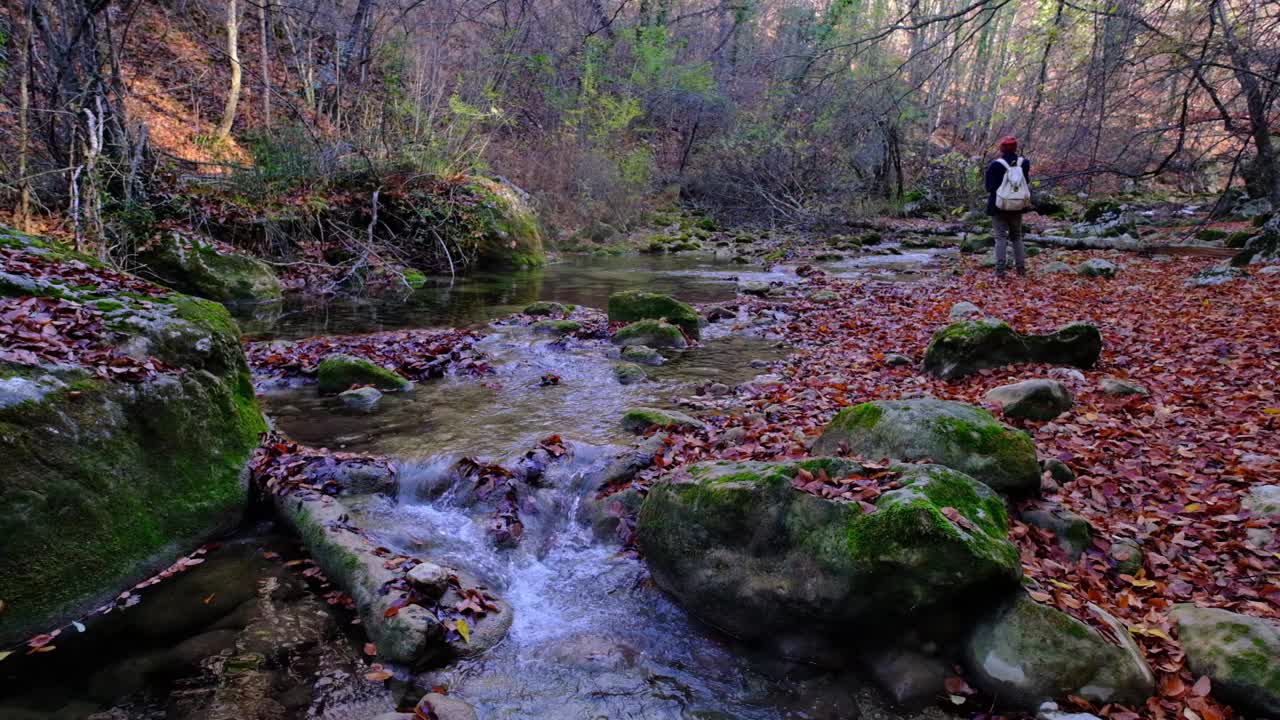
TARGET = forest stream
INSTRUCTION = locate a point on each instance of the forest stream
(592, 636)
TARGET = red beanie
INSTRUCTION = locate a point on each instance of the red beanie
(1009, 142)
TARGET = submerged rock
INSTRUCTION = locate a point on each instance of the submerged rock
(1026, 653)
(959, 436)
(642, 355)
(634, 305)
(638, 420)
(104, 481)
(365, 398)
(338, 372)
(1032, 399)
(651, 333)
(628, 373)
(443, 707)
(964, 348)
(742, 549)
(199, 267)
(1239, 653)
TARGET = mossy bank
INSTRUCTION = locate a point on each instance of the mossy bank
(108, 476)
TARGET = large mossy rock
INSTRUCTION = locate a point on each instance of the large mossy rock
(959, 436)
(339, 372)
(1239, 653)
(634, 305)
(964, 348)
(745, 551)
(199, 267)
(1026, 653)
(509, 237)
(105, 479)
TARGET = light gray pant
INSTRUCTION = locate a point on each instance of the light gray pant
(1008, 227)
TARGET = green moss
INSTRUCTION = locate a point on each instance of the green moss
(414, 278)
(858, 417)
(206, 314)
(545, 308)
(635, 305)
(108, 305)
(638, 420)
(336, 373)
(653, 333)
(1006, 445)
(1211, 235)
(557, 327)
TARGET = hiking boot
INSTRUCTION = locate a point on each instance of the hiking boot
(1022, 272)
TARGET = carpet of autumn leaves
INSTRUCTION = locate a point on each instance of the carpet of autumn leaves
(415, 354)
(1168, 470)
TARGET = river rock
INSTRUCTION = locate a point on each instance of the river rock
(635, 305)
(364, 398)
(1096, 267)
(1118, 387)
(103, 481)
(1072, 532)
(642, 355)
(823, 296)
(896, 360)
(1263, 501)
(912, 679)
(545, 309)
(338, 372)
(651, 333)
(628, 373)
(1239, 653)
(966, 438)
(639, 420)
(200, 267)
(963, 348)
(758, 288)
(744, 550)
(1025, 654)
(965, 311)
(430, 578)
(1216, 275)
(557, 327)
(443, 707)
(1032, 399)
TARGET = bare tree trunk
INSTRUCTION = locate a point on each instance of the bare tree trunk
(264, 42)
(233, 53)
(24, 117)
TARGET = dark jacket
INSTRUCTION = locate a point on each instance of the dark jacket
(995, 176)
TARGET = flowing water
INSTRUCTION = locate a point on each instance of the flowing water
(592, 637)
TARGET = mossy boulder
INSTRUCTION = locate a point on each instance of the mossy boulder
(974, 244)
(963, 348)
(745, 551)
(1072, 532)
(651, 333)
(1025, 654)
(509, 232)
(557, 327)
(545, 309)
(638, 420)
(339, 372)
(106, 480)
(197, 266)
(1239, 653)
(963, 437)
(635, 305)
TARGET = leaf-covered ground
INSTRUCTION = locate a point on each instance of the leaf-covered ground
(415, 354)
(1168, 470)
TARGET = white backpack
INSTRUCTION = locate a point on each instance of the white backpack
(1013, 194)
